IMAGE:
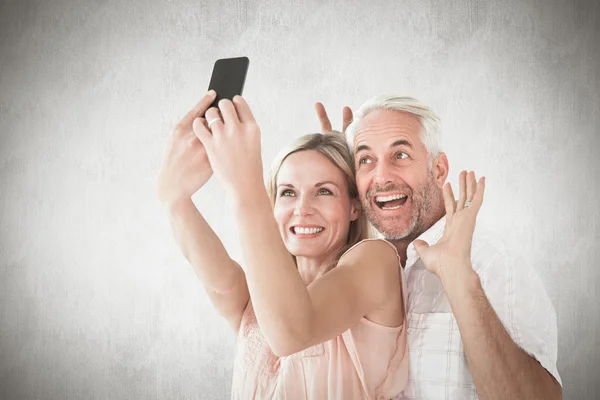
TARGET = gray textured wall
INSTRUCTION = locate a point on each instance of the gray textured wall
(95, 300)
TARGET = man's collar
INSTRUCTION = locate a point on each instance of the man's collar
(431, 236)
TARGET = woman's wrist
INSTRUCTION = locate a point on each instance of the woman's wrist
(179, 206)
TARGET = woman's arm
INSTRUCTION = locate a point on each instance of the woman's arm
(223, 278)
(184, 171)
(294, 317)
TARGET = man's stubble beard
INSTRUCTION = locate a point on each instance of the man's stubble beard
(422, 205)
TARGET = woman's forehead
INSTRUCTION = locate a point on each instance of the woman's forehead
(309, 165)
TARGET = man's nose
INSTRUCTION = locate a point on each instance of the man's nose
(383, 173)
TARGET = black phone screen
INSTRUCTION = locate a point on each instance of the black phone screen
(228, 78)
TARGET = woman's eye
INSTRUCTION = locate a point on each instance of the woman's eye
(286, 192)
(324, 191)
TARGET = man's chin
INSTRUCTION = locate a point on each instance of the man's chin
(397, 224)
(395, 235)
(392, 232)
(393, 228)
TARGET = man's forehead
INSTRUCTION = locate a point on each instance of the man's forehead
(385, 127)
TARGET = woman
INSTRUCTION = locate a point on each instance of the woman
(319, 313)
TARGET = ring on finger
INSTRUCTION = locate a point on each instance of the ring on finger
(212, 121)
(467, 203)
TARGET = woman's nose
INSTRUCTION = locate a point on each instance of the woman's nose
(303, 206)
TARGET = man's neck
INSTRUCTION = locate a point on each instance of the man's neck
(402, 244)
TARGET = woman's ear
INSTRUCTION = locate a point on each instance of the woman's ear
(355, 209)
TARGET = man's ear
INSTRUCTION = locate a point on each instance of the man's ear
(355, 209)
(440, 169)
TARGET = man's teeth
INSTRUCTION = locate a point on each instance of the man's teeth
(306, 231)
(383, 199)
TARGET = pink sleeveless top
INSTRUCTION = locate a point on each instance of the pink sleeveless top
(368, 361)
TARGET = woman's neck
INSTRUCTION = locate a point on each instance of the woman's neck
(310, 267)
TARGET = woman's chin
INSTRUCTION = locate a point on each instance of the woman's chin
(306, 251)
(313, 248)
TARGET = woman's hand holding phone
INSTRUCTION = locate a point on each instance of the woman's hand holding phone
(185, 167)
(233, 146)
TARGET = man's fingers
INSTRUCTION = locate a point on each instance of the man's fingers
(199, 109)
(471, 185)
(462, 184)
(323, 118)
(420, 246)
(478, 197)
(346, 118)
(244, 112)
(449, 200)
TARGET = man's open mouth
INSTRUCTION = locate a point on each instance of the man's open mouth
(391, 202)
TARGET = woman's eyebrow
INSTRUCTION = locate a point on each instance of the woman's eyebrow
(319, 184)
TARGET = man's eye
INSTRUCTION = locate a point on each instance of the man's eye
(324, 191)
(401, 155)
(287, 192)
(364, 160)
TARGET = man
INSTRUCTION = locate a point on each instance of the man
(484, 329)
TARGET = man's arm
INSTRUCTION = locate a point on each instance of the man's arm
(500, 369)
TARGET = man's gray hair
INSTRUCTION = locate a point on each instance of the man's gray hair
(430, 122)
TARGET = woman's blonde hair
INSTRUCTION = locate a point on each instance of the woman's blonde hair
(333, 146)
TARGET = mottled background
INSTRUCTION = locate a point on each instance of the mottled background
(96, 301)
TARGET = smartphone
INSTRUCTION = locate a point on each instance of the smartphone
(228, 78)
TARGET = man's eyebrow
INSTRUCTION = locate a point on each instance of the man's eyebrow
(399, 142)
(402, 142)
(362, 147)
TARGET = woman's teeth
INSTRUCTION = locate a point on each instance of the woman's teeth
(306, 231)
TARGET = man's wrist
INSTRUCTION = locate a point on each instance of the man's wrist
(461, 282)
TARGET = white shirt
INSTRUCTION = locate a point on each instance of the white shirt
(437, 363)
